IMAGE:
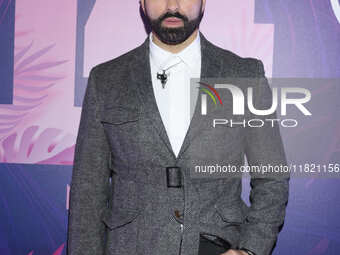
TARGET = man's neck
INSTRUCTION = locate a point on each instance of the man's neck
(174, 48)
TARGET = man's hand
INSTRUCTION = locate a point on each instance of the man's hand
(234, 252)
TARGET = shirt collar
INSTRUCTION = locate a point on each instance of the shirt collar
(188, 55)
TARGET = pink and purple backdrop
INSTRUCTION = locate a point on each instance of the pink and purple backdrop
(47, 49)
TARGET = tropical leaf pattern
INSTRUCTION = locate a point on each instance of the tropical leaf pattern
(34, 77)
(57, 252)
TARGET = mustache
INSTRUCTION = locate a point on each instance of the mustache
(173, 15)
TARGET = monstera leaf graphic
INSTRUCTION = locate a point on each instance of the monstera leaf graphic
(35, 75)
(57, 252)
(31, 88)
(36, 146)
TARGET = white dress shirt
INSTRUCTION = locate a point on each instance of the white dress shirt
(173, 101)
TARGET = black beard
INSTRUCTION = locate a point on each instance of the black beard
(172, 35)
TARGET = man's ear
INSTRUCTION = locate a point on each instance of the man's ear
(141, 2)
(203, 5)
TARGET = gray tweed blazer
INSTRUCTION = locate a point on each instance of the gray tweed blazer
(119, 201)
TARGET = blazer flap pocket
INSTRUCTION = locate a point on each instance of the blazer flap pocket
(115, 218)
(230, 211)
(120, 115)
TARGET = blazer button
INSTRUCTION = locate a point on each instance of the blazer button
(178, 216)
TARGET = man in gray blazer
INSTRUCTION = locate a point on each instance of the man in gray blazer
(132, 188)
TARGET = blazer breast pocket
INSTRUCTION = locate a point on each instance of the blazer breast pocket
(122, 126)
(119, 115)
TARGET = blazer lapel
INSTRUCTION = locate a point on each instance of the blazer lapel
(140, 67)
(211, 66)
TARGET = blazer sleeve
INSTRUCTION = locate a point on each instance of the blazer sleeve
(90, 183)
(269, 192)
